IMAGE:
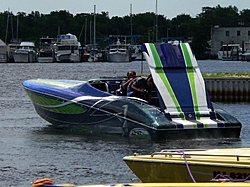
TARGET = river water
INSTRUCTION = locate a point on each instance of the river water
(31, 148)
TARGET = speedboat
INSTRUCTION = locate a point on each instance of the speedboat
(180, 106)
(190, 165)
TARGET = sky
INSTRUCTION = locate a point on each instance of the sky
(120, 8)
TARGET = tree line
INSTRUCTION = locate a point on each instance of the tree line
(33, 26)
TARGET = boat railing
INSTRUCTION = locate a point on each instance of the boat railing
(199, 152)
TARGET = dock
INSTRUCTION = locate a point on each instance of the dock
(228, 89)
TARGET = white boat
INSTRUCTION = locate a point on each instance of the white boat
(11, 47)
(67, 48)
(3, 51)
(26, 52)
(136, 52)
(95, 55)
(46, 52)
(230, 52)
(246, 52)
(119, 52)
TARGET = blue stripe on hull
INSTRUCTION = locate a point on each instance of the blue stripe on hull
(183, 94)
(171, 56)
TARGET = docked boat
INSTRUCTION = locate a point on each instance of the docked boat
(119, 52)
(230, 52)
(11, 47)
(191, 165)
(67, 48)
(3, 51)
(25, 53)
(136, 52)
(96, 55)
(180, 106)
(46, 52)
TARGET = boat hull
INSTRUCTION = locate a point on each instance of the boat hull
(29, 56)
(67, 57)
(46, 56)
(45, 59)
(118, 57)
(186, 167)
(107, 123)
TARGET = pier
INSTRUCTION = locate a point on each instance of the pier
(228, 89)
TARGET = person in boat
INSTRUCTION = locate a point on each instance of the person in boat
(141, 87)
(123, 87)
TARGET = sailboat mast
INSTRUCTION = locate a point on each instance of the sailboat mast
(7, 26)
(94, 25)
(131, 27)
(156, 23)
(17, 25)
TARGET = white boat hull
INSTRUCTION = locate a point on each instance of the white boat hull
(25, 56)
(118, 57)
(45, 59)
(67, 57)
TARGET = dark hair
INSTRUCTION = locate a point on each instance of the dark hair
(131, 72)
(150, 78)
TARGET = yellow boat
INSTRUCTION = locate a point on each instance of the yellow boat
(190, 165)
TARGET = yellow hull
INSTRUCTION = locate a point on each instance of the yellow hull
(190, 165)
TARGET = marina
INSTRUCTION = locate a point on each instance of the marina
(32, 148)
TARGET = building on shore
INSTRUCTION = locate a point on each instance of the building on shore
(228, 35)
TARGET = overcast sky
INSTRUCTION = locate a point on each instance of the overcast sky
(168, 8)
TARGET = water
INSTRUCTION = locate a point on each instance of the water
(31, 148)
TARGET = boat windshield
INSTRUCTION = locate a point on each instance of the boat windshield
(134, 111)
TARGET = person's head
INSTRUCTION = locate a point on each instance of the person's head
(131, 74)
(149, 80)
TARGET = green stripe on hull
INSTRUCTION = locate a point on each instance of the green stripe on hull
(55, 105)
(190, 73)
(160, 71)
